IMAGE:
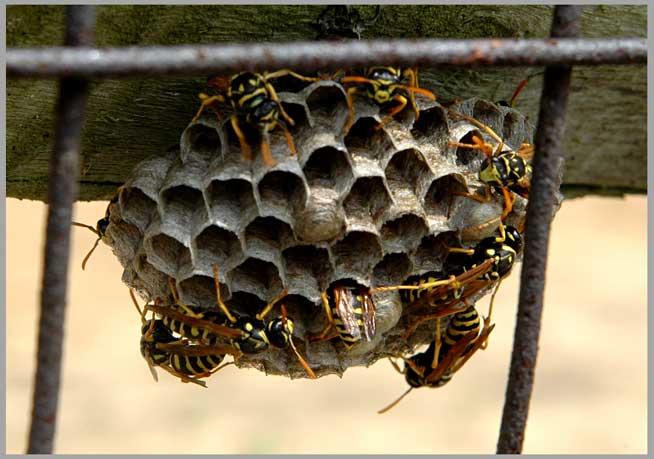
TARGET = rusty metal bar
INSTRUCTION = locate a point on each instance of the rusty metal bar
(64, 171)
(547, 164)
(203, 59)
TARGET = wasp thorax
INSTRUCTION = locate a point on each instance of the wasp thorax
(254, 339)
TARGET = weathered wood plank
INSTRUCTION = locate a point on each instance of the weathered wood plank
(129, 120)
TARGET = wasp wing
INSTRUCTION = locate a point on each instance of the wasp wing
(344, 299)
(368, 317)
(218, 329)
(450, 358)
(461, 281)
(459, 354)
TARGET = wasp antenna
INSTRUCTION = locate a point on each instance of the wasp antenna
(82, 225)
(88, 255)
(392, 405)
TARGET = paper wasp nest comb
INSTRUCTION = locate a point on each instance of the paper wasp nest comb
(374, 206)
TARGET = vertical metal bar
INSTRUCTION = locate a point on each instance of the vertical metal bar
(546, 164)
(62, 189)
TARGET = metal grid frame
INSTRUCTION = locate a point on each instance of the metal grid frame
(77, 61)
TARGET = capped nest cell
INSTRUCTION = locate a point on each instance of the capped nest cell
(372, 206)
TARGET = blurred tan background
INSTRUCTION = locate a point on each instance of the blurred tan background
(591, 384)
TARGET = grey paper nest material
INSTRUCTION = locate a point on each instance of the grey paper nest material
(373, 206)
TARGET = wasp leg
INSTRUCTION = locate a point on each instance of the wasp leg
(485, 198)
(330, 320)
(272, 304)
(509, 198)
(221, 305)
(207, 101)
(416, 369)
(502, 237)
(273, 96)
(437, 343)
(396, 366)
(300, 359)
(184, 378)
(281, 73)
(289, 139)
(490, 312)
(266, 155)
(218, 368)
(420, 286)
(479, 144)
(397, 109)
(350, 106)
(412, 75)
(461, 250)
(483, 127)
(179, 302)
(246, 151)
(451, 102)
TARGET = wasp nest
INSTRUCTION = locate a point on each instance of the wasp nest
(374, 206)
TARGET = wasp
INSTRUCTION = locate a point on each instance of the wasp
(509, 171)
(436, 366)
(180, 357)
(249, 335)
(351, 310)
(383, 85)
(100, 229)
(254, 101)
(489, 261)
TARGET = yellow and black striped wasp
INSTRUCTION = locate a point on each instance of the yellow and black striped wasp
(508, 171)
(183, 358)
(445, 355)
(351, 310)
(489, 261)
(249, 335)
(384, 85)
(254, 101)
(100, 229)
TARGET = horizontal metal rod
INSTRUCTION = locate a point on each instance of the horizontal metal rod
(204, 59)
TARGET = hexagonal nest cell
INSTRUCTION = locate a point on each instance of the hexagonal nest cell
(373, 206)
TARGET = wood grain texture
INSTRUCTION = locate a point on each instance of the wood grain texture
(131, 119)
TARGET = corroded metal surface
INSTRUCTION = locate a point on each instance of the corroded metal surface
(188, 60)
